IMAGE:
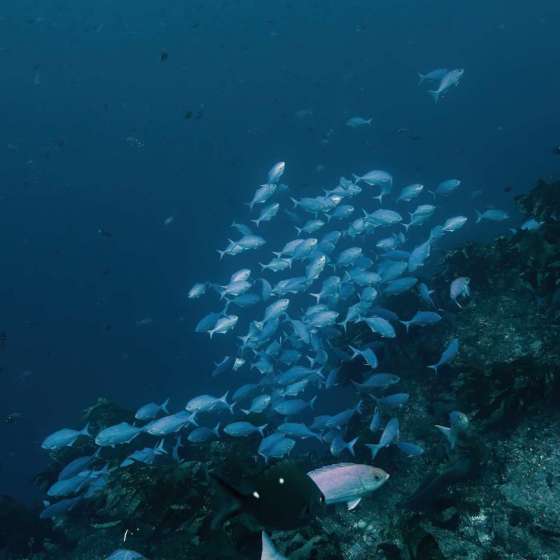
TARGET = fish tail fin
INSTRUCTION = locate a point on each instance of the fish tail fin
(298, 229)
(351, 445)
(434, 367)
(356, 178)
(369, 121)
(406, 226)
(478, 216)
(406, 324)
(421, 78)
(321, 376)
(192, 419)
(374, 449)
(221, 253)
(165, 405)
(262, 429)
(355, 351)
(446, 432)
(360, 407)
(312, 402)
(160, 447)
(263, 266)
(277, 253)
(316, 296)
(435, 94)
(85, 431)
(216, 429)
(257, 222)
(246, 412)
(294, 201)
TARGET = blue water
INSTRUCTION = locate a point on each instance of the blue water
(78, 79)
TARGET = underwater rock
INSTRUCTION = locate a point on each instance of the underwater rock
(21, 531)
(496, 496)
(542, 202)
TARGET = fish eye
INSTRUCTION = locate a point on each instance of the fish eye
(256, 495)
(281, 480)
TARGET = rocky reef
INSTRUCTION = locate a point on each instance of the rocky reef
(494, 496)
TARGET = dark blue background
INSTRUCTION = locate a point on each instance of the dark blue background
(70, 298)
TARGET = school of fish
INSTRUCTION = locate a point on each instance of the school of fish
(291, 314)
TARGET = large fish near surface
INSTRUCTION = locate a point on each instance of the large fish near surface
(348, 482)
(283, 497)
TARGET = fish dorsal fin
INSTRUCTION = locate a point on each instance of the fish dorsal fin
(327, 468)
(353, 504)
(228, 488)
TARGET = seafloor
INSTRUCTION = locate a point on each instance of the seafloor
(496, 496)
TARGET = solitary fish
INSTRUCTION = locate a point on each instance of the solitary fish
(422, 319)
(453, 224)
(376, 177)
(117, 435)
(224, 325)
(459, 288)
(459, 423)
(432, 76)
(243, 429)
(448, 186)
(410, 192)
(450, 79)
(283, 497)
(348, 482)
(198, 290)
(267, 213)
(358, 122)
(448, 355)
(262, 194)
(276, 171)
(63, 438)
(151, 410)
(492, 215)
(390, 435)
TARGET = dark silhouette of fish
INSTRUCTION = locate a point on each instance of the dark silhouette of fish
(282, 497)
